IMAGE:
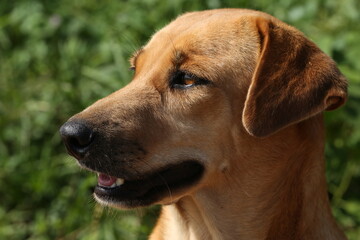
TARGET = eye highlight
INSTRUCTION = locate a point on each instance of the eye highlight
(184, 80)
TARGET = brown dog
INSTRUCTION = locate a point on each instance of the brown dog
(222, 124)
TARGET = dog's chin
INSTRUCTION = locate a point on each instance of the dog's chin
(161, 186)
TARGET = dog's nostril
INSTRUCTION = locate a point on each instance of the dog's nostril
(77, 138)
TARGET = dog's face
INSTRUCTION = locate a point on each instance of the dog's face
(177, 124)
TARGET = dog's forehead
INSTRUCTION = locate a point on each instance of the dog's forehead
(229, 34)
(213, 20)
(206, 25)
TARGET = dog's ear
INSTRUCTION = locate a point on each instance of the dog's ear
(293, 81)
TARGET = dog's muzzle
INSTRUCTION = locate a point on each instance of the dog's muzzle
(119, 183)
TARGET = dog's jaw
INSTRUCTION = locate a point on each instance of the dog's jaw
(150, 188)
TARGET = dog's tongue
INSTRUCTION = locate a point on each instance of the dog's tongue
(106, 180)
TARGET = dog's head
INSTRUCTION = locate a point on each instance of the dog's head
(201, 83)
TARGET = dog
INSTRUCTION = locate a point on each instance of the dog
(222, 125)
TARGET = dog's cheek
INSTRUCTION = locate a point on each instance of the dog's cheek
(199, 107)
(201, 119)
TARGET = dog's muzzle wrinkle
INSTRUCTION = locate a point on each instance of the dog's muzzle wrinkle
(77, 138)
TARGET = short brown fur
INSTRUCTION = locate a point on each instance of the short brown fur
(257, 127)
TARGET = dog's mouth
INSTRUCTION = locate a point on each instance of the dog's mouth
(149, 189)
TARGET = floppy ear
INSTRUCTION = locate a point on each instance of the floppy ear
(293, 81)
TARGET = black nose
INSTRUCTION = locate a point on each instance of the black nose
(77, 138)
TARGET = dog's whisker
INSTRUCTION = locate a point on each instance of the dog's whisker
(167, 186)
(163, 179)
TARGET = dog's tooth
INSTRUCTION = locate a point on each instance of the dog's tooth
(119, 181)
(113, 185)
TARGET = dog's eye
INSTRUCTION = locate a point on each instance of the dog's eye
(185, 80)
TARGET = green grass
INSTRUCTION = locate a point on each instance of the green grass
(57, 57)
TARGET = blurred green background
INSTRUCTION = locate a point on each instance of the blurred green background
(57, 57)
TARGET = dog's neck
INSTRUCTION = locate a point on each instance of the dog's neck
(280, 196)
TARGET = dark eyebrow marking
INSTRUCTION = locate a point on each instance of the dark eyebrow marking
(179, 58)
(135, 56)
